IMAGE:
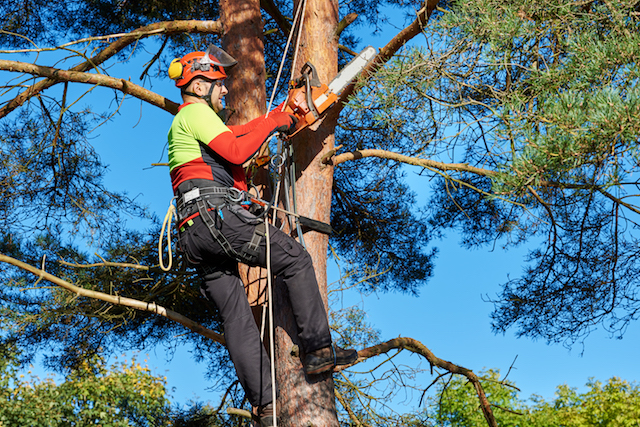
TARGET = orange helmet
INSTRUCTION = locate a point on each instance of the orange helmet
(209, 64)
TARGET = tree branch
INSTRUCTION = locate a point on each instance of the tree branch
(419, 348)
(383, 154)
(270, 7)
(114, 299)
(344, 23)
(172, 27)
(390, 49)
(352, 416)
(58, 75)
(330, 159)
(106, 264)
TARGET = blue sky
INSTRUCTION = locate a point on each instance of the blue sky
(449, 316)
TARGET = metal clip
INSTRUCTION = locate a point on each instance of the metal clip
(234, 195)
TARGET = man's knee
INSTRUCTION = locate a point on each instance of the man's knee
(224, 288)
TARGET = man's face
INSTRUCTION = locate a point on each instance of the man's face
(217, 89)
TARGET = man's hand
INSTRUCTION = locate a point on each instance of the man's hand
(285, 122)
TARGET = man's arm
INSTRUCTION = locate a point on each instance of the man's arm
(237, 149)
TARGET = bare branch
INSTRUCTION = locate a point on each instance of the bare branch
(352, 416)
(155, 58)
(125, 86)
(347, 50)
(344, 23)
(270, 7)
(327, 159)
(243, 413)
(419, 348)
(507, 410)
(106, 264)
(115, 299)
(383, 154)
(168, 28)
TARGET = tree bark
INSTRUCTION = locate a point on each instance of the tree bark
(246, 100)
(242, 39)
(310, 401)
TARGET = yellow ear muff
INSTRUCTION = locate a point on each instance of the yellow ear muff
(175, 69)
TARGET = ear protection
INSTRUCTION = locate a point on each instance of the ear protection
(175, 69)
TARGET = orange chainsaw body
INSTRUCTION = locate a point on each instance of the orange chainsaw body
(298, 106)
(308, 98)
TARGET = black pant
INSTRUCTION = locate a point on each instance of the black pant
(222, 285)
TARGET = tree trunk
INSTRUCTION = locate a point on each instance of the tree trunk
(243, 40)
(310, 401)
(246, 100)
(302, 401)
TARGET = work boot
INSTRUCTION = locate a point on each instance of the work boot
(265, 413)
(326, 358)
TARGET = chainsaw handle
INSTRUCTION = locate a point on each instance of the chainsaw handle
(309, 74)
(309, 99)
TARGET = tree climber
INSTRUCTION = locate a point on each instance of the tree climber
(217, 232)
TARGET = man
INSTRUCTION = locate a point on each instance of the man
(217, 232)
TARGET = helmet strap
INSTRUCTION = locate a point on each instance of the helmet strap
(206, 97)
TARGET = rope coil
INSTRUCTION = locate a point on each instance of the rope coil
(166, 225)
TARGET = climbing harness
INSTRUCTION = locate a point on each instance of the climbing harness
(202, 201)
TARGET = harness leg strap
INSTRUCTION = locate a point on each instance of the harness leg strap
(217, 235)
(250, 250)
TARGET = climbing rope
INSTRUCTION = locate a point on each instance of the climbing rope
(300, 10)
(271, 335)
(302, 6)
(171, 212)
(166, 225)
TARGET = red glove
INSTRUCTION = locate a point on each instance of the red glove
(285, 122)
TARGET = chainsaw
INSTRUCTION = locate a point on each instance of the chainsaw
(308, 98)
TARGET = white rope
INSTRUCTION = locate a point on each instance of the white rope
(302, 6)
(166, 225)
(301, 9)
(295, 52)
(271, 335)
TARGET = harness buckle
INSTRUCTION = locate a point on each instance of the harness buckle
(190, 195)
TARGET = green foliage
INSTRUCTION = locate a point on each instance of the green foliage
(614, 404)
(126, 394)
(377, 224)
(71, 328)
(51, 177)
(455, 402)
(531, 108)
(199, 415)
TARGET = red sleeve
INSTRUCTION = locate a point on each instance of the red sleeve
(239, 130)
(239, 149)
